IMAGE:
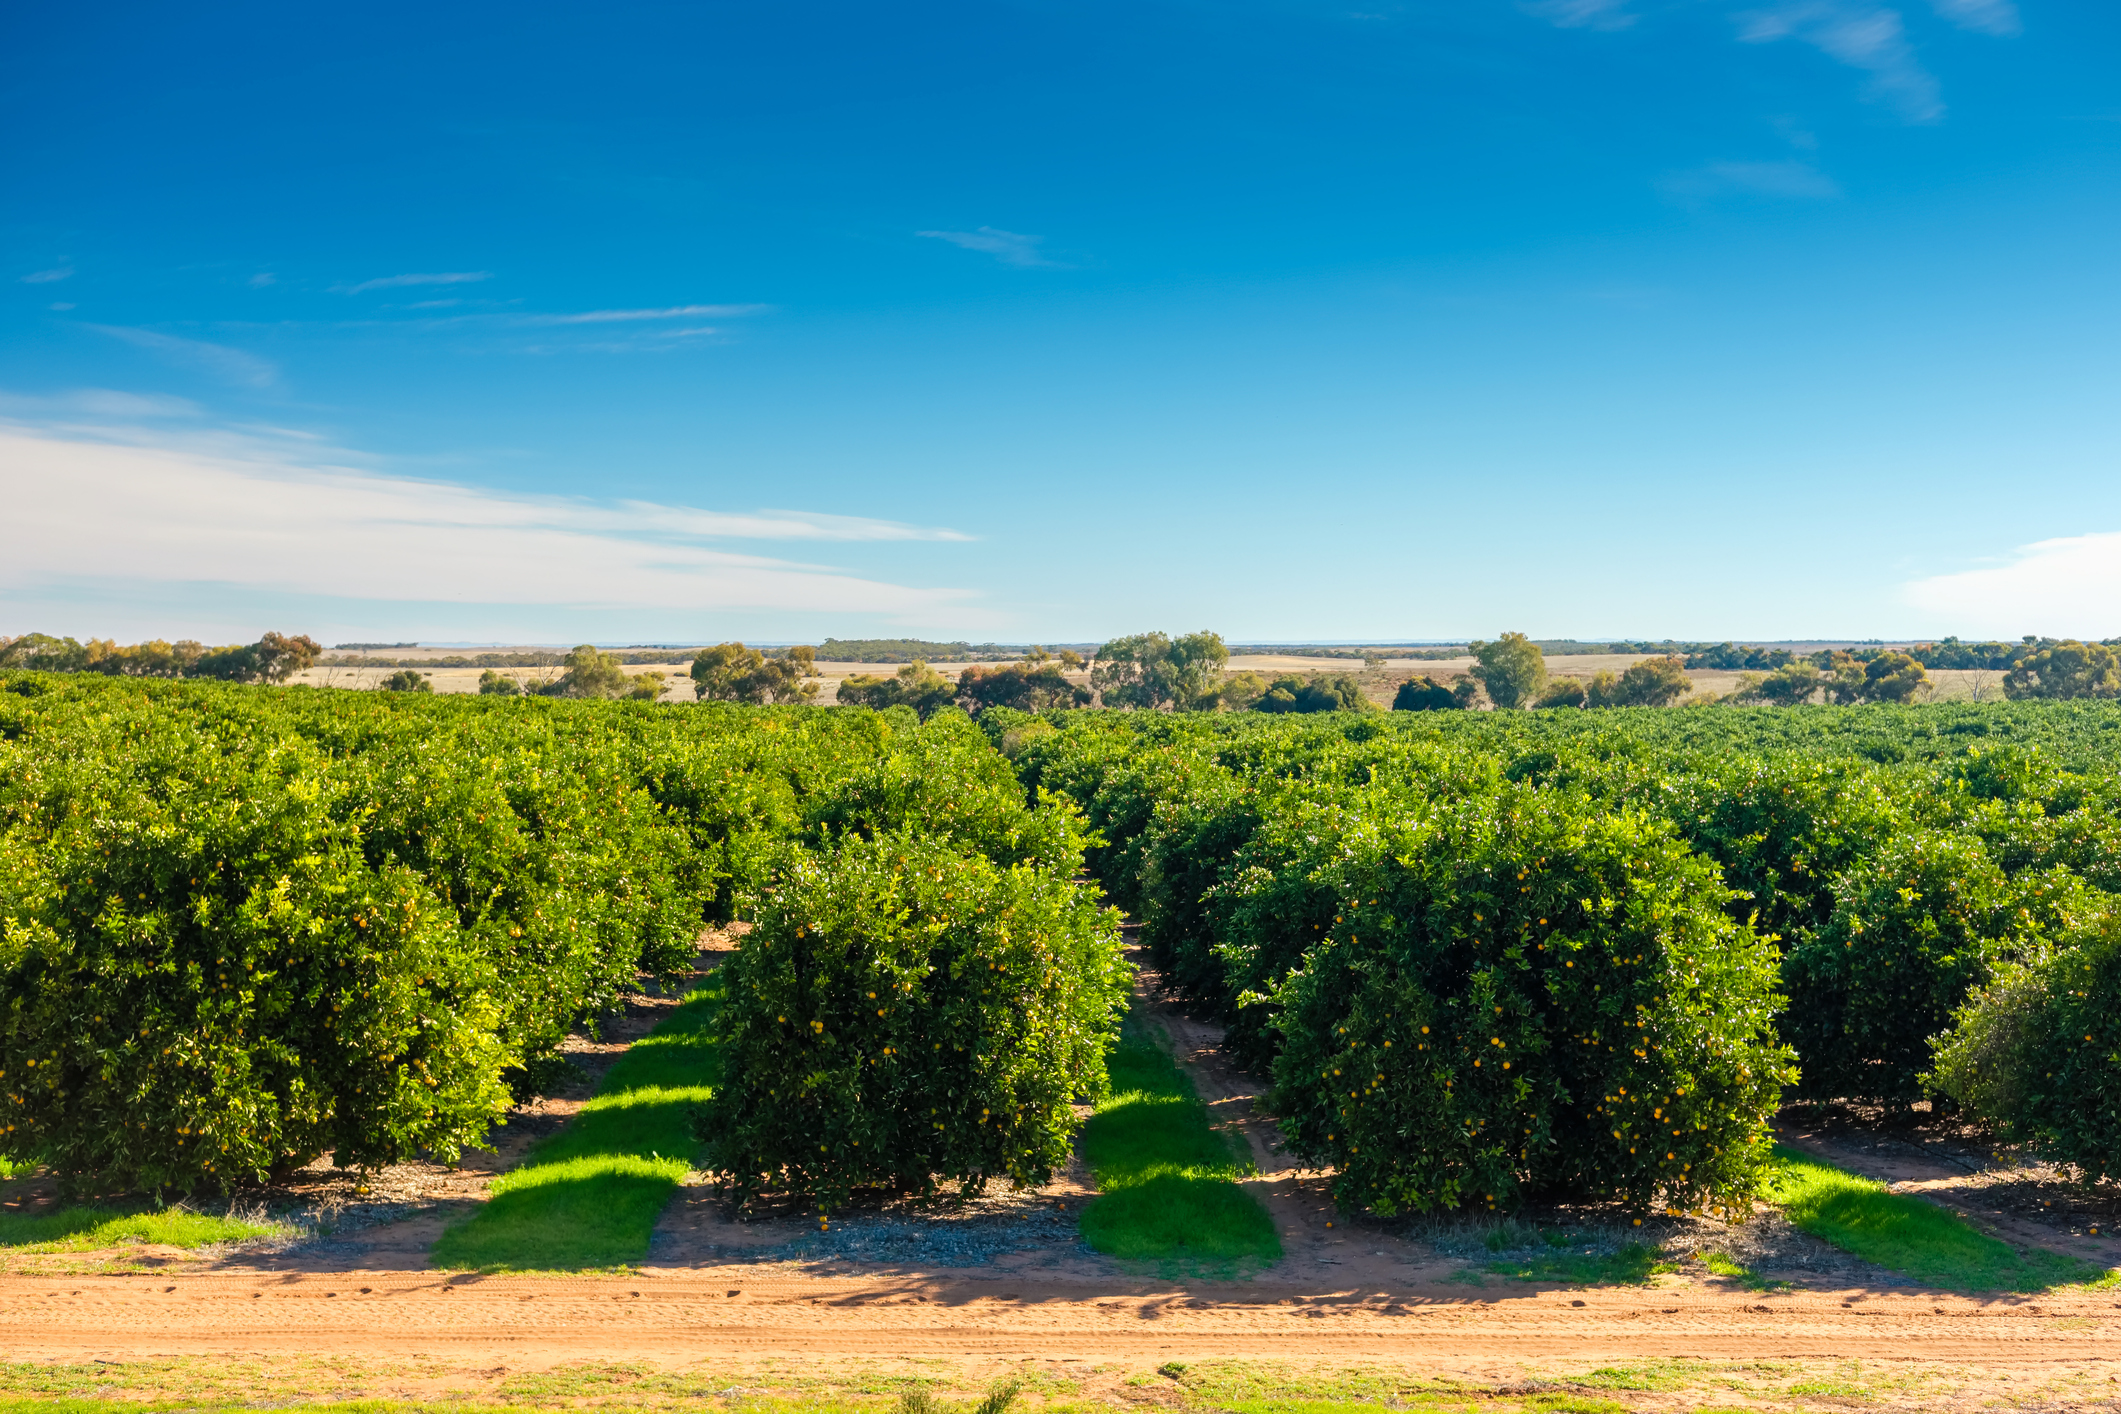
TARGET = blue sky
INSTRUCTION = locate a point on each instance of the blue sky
(1767, 318)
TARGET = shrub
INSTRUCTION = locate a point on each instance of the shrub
(407, 680)
(1563, 692)
(2037, 1052)
(1526, 994)
(1034, 685)
(589, 673)
(1426, 694)
(1317, 693)
(202, 980)
(905, 1010)
(916, 685)
(1914, 929)
(493, 684)
(1653, 682)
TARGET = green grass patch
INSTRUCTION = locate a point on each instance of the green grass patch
(1724, 1265)
(587, 1199)
(1905, 1234)
(90, 1229)
(1632, 1265)
(1166, 1175)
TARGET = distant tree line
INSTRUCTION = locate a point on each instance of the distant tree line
(273, 658)
(1154, 672)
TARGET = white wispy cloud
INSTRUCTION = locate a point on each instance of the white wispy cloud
(396, 282)
(1997, 17)
(231, 366)
(2069, 585)
(260, 280)
(1863, 36)
(47, 277)
(224, 508)
(1009, 247)
(627, 316)
(1583, 14)
(1793, 180)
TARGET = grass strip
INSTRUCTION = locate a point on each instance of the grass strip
(1905, 1234)
(1632, 1265)
(1166, 1174)
(90, 1229)
(587, 1198)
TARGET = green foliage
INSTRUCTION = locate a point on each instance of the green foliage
(916, 685)
(730, 672)
(407, 680)
(1906, 1234)
(1893, 677)
(2036, 1054)
(1564, 692)
(1788, 686)
(203, 979)
(1523, 994)
(286, 922)
(2065, 669)
(1426, 694)
(1036, 684)
(1316, 693)
(589, 673)
(1152, 670)
(1653, 682)
(493, 684)
(273, 658)
(1512, 669)
(1165, 1174)
(906, 1009)
(1914, 929)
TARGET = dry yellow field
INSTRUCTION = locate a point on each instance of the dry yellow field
(1379, 683)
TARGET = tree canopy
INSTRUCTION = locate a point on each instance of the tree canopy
(2067, 669)
(730, 672)
(1035, 684)
(1152, 670)
(916, 685)
(1512, 669)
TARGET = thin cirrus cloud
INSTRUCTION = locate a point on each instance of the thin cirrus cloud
(630, 316)
(1858, 33)
(2068, 585)
(1997, 17)
(1866, 37)
(218, 361)
(1584, 14)
(229, 509)
(48, 277)
(1797, 181)
(1008, 247)
(399, 282)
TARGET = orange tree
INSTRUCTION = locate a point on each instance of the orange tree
(1522, 994)
(907, 1009)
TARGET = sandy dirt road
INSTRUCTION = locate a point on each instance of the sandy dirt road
(737, 1312)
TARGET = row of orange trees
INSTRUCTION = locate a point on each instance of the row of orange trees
(1492, 956)
(243, 927)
